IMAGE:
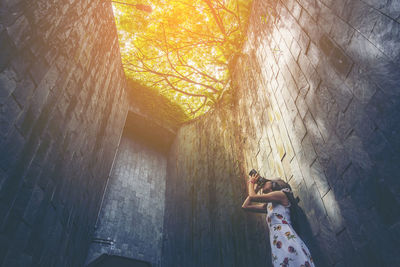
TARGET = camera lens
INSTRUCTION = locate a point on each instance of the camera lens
(252, 172)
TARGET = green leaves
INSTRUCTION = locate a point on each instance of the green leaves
(182, 47)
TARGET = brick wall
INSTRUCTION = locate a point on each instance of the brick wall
(315, 101)
(62, 109)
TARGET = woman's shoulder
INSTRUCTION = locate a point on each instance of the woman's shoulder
(276, 205)
(285, 191)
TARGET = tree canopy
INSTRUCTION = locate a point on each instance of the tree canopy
(181, 48)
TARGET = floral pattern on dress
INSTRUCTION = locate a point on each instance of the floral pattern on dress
(286, 246)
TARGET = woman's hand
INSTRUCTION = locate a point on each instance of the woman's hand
(253, 178)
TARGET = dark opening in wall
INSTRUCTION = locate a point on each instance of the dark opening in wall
(106, 260)
(149, 132)
(130, 222)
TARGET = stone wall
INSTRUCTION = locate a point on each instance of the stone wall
(130, 223)
(323, 81)
(204, 224)
(62, 111)
(316, 102)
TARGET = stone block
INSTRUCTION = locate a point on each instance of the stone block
(386, 204)
(26, 121)
(278, 141)
(312, 128)
(300, 79)
(314, 54)
(295, 49)
(299, 128)
(20, 32)
(309, 24)
(290, 82)
(304, 41)
(340, 61)
(296, 172)
(7, 84)
(39, 70)
(351, 178)
(341, 32)
(8, 114)
(368, 256)
(325, 106)
(319, 177)
(7, 50)
(389, 8)
(285, 138)
(343, 127)
(295, 9)
(347, 250)
(333, 211)
(334, 150)
(342, 96)
(360, 16)
(325, 18)
(361, 85)
(306, 173)
(383, 111)
(309, 153)
(336, 56)
(383, 72)
(13, 144)
(24, 91)
(21, 63)
(311, 7)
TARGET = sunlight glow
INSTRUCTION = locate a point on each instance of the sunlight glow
(181, 47)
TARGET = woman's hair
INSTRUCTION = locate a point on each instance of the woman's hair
(278, 185)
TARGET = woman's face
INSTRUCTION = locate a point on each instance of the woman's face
(267, 187)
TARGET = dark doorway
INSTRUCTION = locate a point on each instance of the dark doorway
(106, 260)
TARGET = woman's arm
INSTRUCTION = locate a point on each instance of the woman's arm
(262, 208)
(250, 186)
(275, 196)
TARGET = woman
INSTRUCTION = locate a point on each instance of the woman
(287, 248)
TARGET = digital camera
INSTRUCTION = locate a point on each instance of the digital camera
(260, 180)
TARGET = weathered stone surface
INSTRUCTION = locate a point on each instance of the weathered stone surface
(46, 202)
(205, 211)
(132, 212)
(7, 50)
(339, 128)
(322, 81)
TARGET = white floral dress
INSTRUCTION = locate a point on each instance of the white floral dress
(286, 246)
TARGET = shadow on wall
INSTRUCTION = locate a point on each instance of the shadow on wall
(304, 230)
(204, 224)
(352, 122)
(335, 84)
